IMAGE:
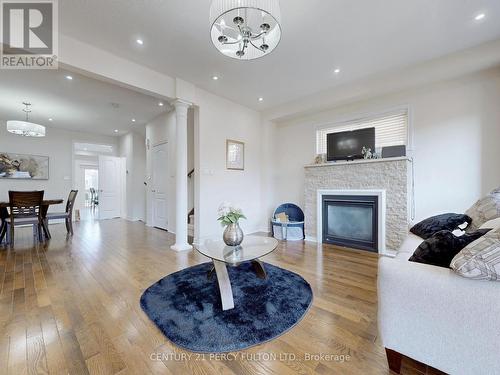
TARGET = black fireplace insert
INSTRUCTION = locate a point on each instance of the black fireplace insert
(351, 221)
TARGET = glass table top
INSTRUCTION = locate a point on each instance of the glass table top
(251, 248)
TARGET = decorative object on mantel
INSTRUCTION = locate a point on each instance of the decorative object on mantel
(393, 151)
(245, 29)
(367, 153)
(320, 159)
(27, 167)
(229, 217)
(235, 155)
(26, 128)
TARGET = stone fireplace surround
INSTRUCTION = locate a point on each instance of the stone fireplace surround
(380, 177)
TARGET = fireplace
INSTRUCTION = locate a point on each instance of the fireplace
(351, 220)
(388, 179)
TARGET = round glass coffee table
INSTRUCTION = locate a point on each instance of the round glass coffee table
(251, 249)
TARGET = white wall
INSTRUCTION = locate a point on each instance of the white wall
(456, 129)
(220, 119)
(58, 146)
(132, 147)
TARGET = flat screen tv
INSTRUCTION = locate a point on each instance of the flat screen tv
(348, 145)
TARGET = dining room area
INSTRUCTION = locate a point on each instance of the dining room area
(31, 209)
(66, 154)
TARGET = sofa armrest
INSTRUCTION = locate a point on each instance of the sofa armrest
(434, 316)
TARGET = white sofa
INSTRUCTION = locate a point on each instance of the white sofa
(436, 317)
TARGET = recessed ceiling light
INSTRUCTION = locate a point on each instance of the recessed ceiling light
(50, 119)
(69, 78)
(116, 130)
(337, 70)
(85, 149)
(160, 104)
(479, 16)
(133, 120)
(261, 99)
(215, 78)
(140, 42)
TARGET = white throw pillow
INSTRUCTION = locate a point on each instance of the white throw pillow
(480, 260)
(491, 224)
(485, 209)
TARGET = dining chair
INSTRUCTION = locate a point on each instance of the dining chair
(25, 209)
(95, 198)
(4, 217)
(92, 197)
(67, 215)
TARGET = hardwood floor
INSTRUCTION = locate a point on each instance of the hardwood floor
(71, 306)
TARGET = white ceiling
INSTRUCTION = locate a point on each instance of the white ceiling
(361, 37)
(81, 104)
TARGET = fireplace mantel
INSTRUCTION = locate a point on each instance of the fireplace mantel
(356, 162)
(391, 175)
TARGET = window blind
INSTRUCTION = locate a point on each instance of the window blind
(390, 130)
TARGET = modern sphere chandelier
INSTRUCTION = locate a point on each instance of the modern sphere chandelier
(26, 128)
(245, 29)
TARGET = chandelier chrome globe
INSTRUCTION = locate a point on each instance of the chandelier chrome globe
(26, 128)
(245, 29)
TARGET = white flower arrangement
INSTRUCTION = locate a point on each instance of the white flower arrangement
(229, 214)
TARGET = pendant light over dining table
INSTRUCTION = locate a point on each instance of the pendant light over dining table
(245, 29)
(26, 128)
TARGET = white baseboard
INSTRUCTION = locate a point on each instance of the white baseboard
(387, 252)
(133, 219)
(267, 230)
(311, 239)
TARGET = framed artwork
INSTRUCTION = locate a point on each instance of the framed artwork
(235, 155)
(23, 167)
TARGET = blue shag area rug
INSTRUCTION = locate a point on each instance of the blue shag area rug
(186, 307)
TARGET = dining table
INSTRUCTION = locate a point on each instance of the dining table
(46, 203)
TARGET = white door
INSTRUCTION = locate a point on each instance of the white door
(110, 180)
(160, 186)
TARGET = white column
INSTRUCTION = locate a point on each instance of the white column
(181, 183)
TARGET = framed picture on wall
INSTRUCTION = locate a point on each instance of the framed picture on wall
(235, 155)
(23, 167)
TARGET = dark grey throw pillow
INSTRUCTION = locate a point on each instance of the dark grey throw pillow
(440, 249)
(426, 228)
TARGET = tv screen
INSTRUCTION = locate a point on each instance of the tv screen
(348, 145)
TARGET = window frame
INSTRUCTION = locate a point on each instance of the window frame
(348, 119)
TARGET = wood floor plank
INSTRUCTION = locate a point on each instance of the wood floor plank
(56, 362)
(107, 348)
(71, 306)
(73, 354)
(4, 353)
(17, 349)
(36, 359)
(35, 346)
